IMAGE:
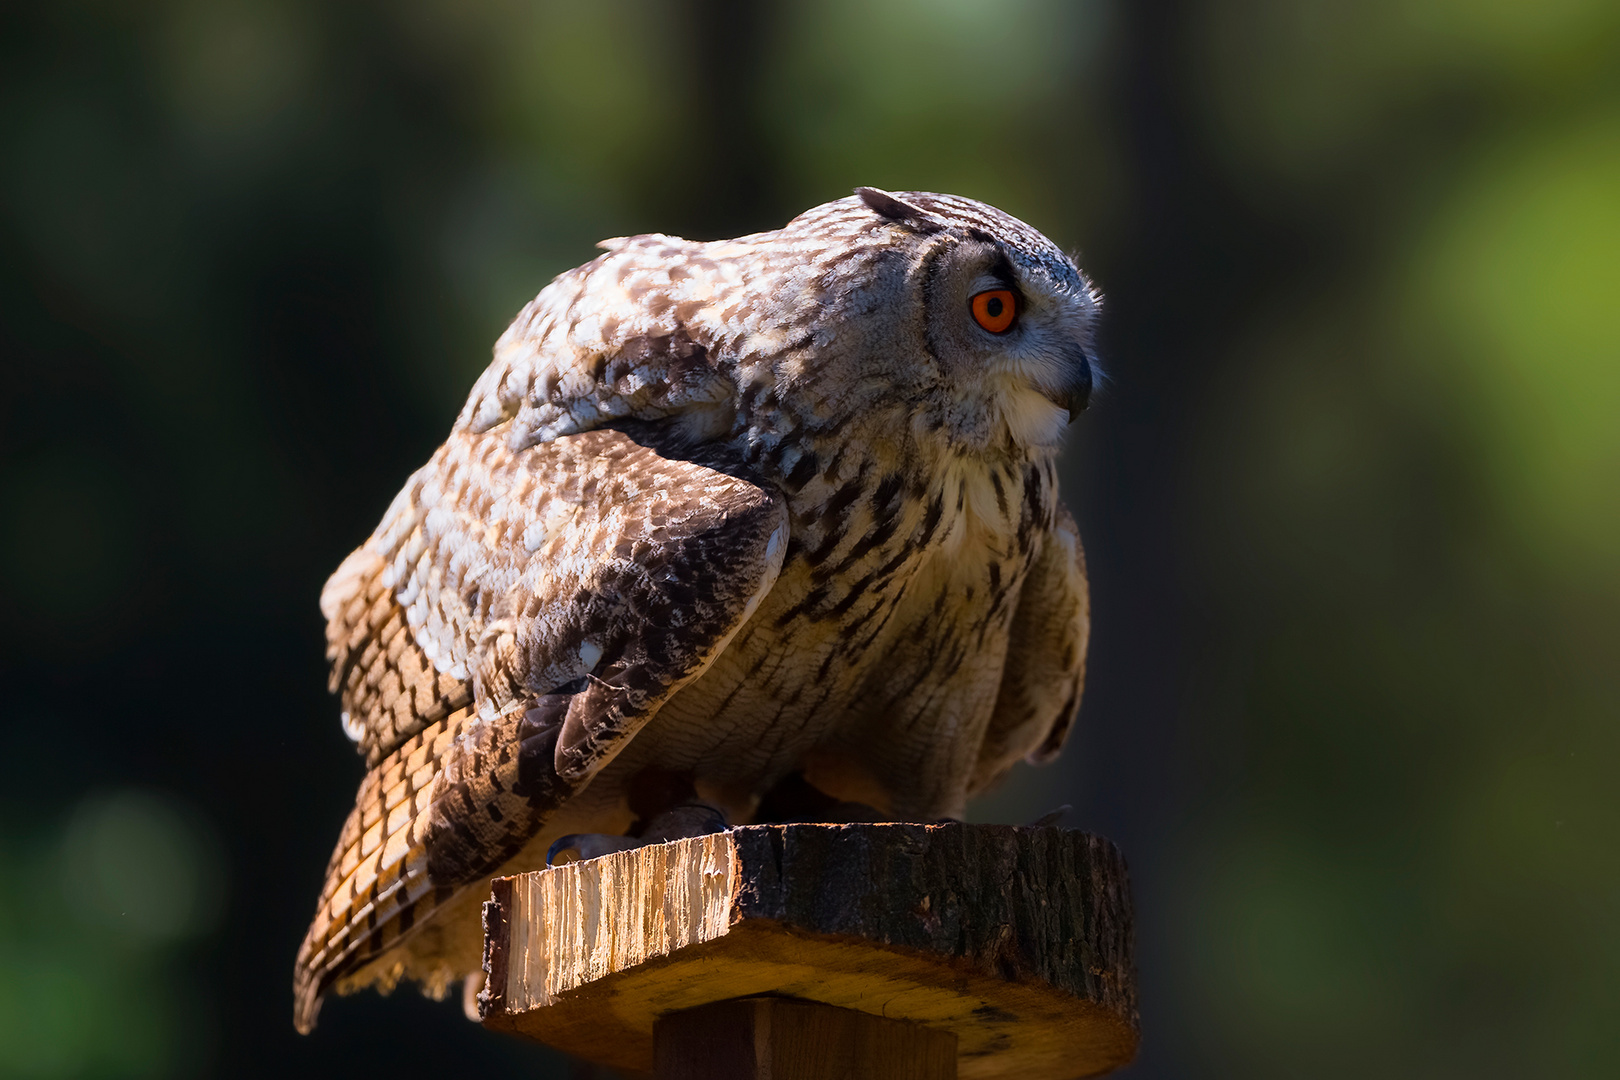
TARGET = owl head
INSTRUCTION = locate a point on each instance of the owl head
(974, 321)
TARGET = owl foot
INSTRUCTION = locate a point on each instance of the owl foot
(693, 818)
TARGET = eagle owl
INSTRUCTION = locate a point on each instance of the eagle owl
(757, 529)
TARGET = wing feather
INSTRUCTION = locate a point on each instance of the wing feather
(575, 586)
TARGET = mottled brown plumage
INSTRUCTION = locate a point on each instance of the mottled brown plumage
(721, 520)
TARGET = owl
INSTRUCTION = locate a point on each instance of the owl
(762, 529)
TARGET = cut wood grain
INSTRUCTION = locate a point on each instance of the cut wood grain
(1017, 941)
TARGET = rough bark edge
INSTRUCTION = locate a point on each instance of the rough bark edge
(771, 856)
(497, 947)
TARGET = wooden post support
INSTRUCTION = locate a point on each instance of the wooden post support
(768, 1038)
(1013, 943)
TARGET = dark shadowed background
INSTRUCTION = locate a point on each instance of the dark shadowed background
(1351, 495)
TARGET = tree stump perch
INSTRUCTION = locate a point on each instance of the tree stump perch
(900, 951)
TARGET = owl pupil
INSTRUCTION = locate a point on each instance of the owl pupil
(993, 307)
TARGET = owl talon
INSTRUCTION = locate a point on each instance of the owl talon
(581, 846)
(1052, 817)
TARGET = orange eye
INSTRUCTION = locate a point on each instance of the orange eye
(995, 309)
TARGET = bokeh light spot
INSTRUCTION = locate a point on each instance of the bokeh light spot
(140, 863)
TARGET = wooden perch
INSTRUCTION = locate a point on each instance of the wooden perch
(1013, 943)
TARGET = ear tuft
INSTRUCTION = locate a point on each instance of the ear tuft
(897, 209)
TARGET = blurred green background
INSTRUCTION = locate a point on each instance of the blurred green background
(1352, 494)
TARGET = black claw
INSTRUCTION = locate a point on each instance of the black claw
(562, 844)
(1051, 818)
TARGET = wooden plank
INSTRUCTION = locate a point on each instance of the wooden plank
(1015, 940)
(769, 1038)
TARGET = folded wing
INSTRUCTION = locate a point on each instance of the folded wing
(511, 625)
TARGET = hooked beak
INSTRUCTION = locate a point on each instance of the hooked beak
(1074, 392)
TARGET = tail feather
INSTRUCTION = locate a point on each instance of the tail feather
(377, 882)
